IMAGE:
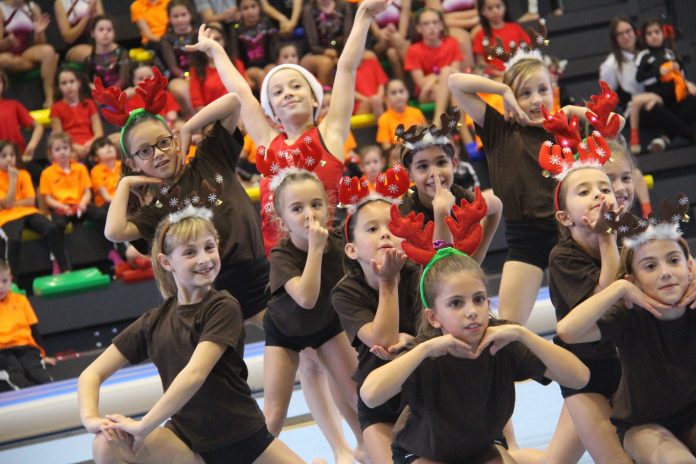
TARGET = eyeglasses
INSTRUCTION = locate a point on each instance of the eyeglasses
(148, 152)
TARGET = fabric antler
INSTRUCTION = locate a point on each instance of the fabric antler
(269, 162)
(600, 111)
(566, 134)
(351, 190)
(151, 90)
(466, 228)
(539, 37)
(675, 211)
(418, 241)
(392, 183)
(114, 101)
(553, 159)
(497, 49)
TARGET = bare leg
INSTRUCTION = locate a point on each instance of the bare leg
(394, 59)
(162, 445)
(279, 368)
(591, 413)
(519, 287)
(180, 91)
(654, 444)
(78, 53)
(641, 187)
(256, 319)
(442, 93)
(565, 445)
(464, 39)
(378, 439)
(47, 58)
(278, 453)
(316, 391)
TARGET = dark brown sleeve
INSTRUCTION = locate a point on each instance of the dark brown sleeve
(351, 309)
(283, 268)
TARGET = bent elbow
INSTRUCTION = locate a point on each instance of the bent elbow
(367, 396)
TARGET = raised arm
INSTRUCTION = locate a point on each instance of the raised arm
(118, 228)
(304, 290)
(253, 115)
(187, 382)
(225, 109)
(464, 88)
(334, 128)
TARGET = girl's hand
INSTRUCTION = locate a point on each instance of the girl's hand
(391, 265)
(499, 336)
(132, 427)
(138, 181)
(443, 201)
(285, 27)
(100, 425)
(691, 87)
(28, 154)
(205, 43)
(317, 236)
(41, 23)
(374, 7)
(449, 344)
(405, 341)
(606, 218)
(12, 172)
(635, 296)
(50, 360)
(513, 112)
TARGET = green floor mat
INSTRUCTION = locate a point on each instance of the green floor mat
(71, 282)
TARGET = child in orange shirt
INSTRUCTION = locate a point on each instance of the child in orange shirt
(398, 112)
(66, 186)
(18, 210)
(106, 171)
(21, 356)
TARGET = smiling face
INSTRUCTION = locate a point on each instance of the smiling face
(371, 235)
(8, 157)
(461, 306)
(661, 269)
(164, 164)
(302, 203)
(425, 165)
(584, 190)
(291, 97)
(194, 264)
(534, 92)
(620, 173)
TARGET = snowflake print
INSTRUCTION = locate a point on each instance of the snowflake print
(392, 188)
(381, 178)
(595, 134)
(567, 150)
(555, 159)
(486, 42)
(212, 198)
(582, 146)
(548, 143)
(600, 151)
(397, 168)
(275, 168)
(268, 208)
(173, 202)
(187, 202)
(683, 201)
(195, 199)
(353, 199)
(164, 190)
(676, 218)
(261, 151)
(218, 178)
(512, 44)
(364, 184)
(540, 39)
(346, 181)
(607, 216)
(307, 139)
(542, 21)
(499, 50)
(309, 161)
(653, 221)
(452, 124)
(623, 229)
(643, 223)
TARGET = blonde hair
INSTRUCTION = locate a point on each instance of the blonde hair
(446, 266)
(617, 146)
(57, 137)
(167, 237)
(521, 71)
(300, 175)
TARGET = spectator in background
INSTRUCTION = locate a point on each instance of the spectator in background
(285, 13)
(73, 18)
(21, 356)
(151, 18)
(327, 24)
(398, 112)
(108, 60)
(370, 79)
(181, 32)
(138, 73)
(462, 22)
(224, 12)
(15, 117)
(256, 41)
(390, 30)
(23, 43)
(496, 23)
(18, 211)
(75, 113)
(204, 81)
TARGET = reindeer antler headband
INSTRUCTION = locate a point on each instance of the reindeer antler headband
(353, 192)
(279, 164)
(636, 232)
(418, 240)
(417, 138)
(186, 213)
(115, 108)
(518, 51)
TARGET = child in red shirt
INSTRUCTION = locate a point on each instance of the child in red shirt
(370, 79)
(20, 353)
(432, 59)
(496, 23)
(75, 114)
(15, 117)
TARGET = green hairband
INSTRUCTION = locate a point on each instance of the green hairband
(441, 253)
(131, 117)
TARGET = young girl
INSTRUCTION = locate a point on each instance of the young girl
(288, 53)
(584, 262)
(18, 210)
(19, 21)
(75, 113)
(372, 163)
(326, 24)
(15, 117)
(205, 81)
(428, 155)
(432, 59)
(305, 266)
(108, 60)
(390, 31)
(181, 32)
(141, 71)
(661, 72)
(292, 97)
(627, 180)
(496, 23)
(156, 155)
(370, 80)
(106, 172)
(398, 112)
(73, 18)
(256, 41)
(196, 341)
(512, 147)
(646, 317)
(460, 381)
(377, 302)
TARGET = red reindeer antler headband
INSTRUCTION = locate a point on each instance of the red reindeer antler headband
(278, 164)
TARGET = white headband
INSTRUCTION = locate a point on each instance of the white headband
(659, 231)
(314, 84)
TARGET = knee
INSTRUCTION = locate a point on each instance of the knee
(103, 451)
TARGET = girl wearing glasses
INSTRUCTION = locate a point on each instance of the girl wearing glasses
(154, 157)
